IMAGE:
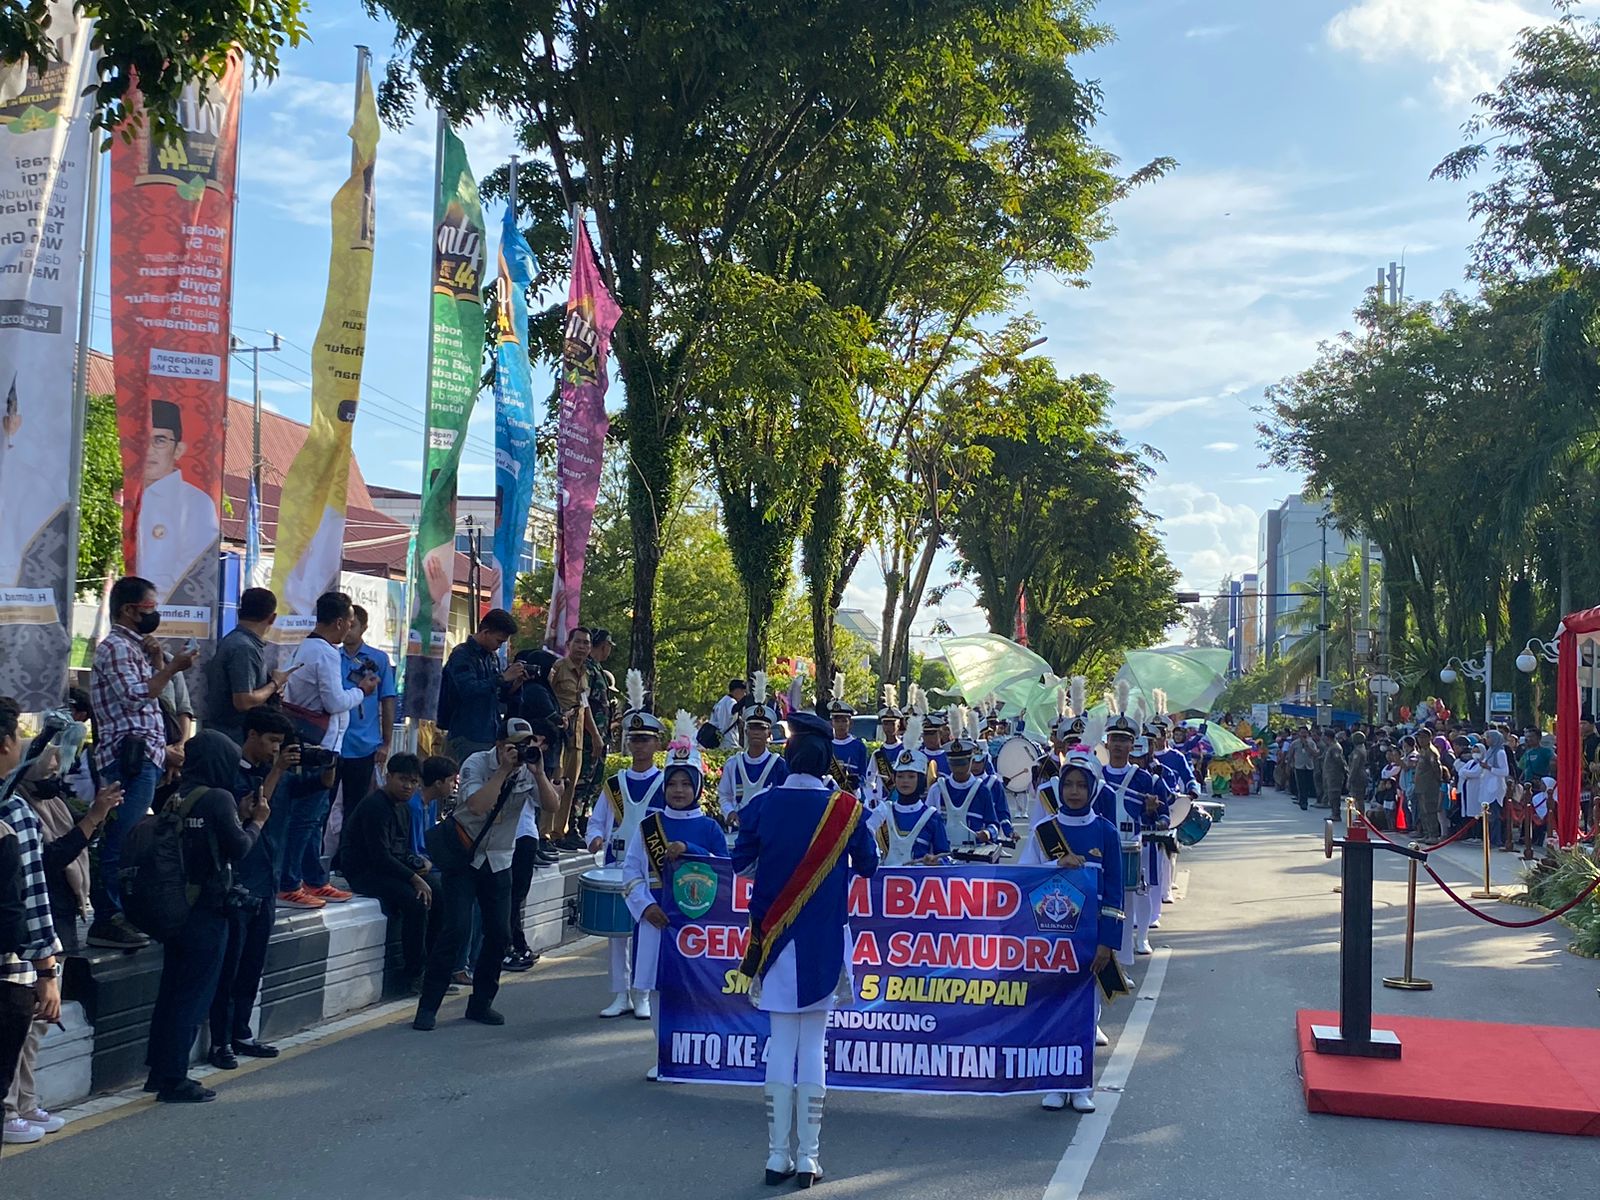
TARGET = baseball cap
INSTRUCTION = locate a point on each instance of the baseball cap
(515, 729)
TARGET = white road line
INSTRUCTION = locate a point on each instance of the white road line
(1072, 1172)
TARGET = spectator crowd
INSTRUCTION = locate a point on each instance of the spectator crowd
(120, 823)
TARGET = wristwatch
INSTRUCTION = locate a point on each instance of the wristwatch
(48, 972)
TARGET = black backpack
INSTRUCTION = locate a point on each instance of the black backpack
(156, 893)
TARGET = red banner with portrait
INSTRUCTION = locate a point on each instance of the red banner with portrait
(171, 269)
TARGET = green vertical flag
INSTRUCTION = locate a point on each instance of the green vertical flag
(454, 355)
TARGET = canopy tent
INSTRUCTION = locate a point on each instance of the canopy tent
(1575, 628)
(1191, 676)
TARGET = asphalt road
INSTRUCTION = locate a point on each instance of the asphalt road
(554, 1104)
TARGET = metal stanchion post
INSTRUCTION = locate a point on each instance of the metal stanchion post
(1408, 982)
(1487, 892)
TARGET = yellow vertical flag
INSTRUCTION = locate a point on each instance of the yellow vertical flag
(311, 511)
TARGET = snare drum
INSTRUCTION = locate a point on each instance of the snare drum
(1132, 866)
(1215, 809)
(601, 908)
(1195, 826)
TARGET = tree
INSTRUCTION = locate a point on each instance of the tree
(168, 44)
(1208, 622)
(99, 496)
(1300, 662)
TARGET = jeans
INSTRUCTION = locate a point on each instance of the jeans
(190, 965)
(488, 893)
(302, 851)
(244, 958)
(138, 790)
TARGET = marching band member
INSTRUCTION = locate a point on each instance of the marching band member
(668, 833)
(801, 846)
(1077, 836)
(935, 728)
(983, 768)
(880, 766)
(849, 751)
(962, 799)
(910, 830)
(1158, 852)
(755, 768)
(626, 798)
(1180, 770)
(1144, 799)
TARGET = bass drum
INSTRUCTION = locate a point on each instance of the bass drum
(1013, 763)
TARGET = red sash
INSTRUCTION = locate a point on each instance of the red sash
(828, 840)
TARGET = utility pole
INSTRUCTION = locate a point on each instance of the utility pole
(1322, 623)
(253, 534)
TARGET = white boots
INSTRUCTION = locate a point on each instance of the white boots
(780, 1128)
(1082, 1102)
(641, 1005)
(621, 1003)
(808, 1133)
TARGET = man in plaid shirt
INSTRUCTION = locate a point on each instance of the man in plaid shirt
(30, 986)
(124, 691)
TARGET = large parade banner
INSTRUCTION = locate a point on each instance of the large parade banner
(969, 980)
(455, 354)
(45, 149)
(311, 510)
(171, 269)
(580, 442)
(513, 407)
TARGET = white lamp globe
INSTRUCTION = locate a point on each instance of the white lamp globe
(1448, 675)
(1527, 663)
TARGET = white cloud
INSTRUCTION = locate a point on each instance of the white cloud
(1209, 33)
(1222, 447)
(1467, 43)
(1205, 536)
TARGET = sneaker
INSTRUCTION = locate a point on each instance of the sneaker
(255, 1049)
(117, 933)
(300, 898)
(1082, 1102)
(572, 841)
(20, 1133)
(546, 856)
(1053, 1101)
(516, 961)
(223, 1058)
(486, 1016)
(330, 893)
(40, 1119)
(424, 1021)
(462, 977)
(187, 1092)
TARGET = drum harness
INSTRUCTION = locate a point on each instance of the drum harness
(959, 811)
(901, 844)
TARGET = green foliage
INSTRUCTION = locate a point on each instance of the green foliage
(169, 44)
(99, 512)
(1556, 880)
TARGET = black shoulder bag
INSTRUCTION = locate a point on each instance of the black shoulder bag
(450, 848)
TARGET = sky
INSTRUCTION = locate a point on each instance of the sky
(1305, 133)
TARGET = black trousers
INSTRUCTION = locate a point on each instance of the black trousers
(401, 904)
(16, 1022)
(244, 958)
(190, 965)
(353, 778)
(1305, 786)
(490, 892)
(522, 866)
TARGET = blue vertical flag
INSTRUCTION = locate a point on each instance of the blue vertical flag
(252, 534)
(513, 407)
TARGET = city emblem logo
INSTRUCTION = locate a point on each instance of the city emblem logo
(1056, 904)
(694, 890)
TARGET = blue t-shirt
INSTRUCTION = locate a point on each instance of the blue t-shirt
(365, 733)
(423, 818)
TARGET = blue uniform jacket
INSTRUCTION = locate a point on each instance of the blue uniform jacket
(852, 752)
(773, 837)
(1179, 767)
(1096, 840)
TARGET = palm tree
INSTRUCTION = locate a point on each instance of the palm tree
(1300, 661)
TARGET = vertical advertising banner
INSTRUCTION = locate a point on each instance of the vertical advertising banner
(311, 511)
(44, 167)
(580, 444)
(454, 355)
(513, 407)
(969, 980)
(171, 267)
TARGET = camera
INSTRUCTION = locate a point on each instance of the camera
(316, 758)
(529, 752)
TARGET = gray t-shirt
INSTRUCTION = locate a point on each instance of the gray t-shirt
(239, 665)
(499, 845)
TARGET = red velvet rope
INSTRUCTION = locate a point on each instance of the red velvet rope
(1483, 916)
(1456, 836)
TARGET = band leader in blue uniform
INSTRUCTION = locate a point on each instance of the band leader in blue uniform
(801, 843)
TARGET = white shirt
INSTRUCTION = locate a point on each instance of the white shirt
(177, 526)
(722, 718)
(319, 686)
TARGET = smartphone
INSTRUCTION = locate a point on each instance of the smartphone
(191, 647)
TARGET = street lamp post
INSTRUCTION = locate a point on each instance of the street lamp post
(1475, 669)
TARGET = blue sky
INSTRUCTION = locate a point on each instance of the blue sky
(1305, 133)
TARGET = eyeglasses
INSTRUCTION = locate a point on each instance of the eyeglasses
(162, 441)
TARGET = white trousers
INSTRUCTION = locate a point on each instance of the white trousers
(620, 973)
(797, 1053)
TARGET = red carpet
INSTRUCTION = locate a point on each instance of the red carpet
(1537, 1078)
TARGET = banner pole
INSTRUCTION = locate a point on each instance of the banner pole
(80, 379)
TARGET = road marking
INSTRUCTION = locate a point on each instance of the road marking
(1072, 1172)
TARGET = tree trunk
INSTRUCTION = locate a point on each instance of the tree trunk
(821, 551)
(1519, 613)
(653, 448)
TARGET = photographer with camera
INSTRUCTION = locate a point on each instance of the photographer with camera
(379, 861)
(218, 832)
(318, 700)
(269, 769)
(473, 849)
(131, 745)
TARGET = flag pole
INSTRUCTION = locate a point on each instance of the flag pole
(80, 378)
